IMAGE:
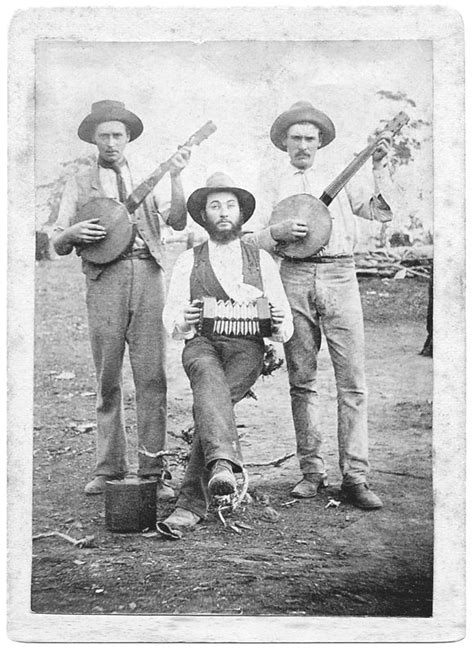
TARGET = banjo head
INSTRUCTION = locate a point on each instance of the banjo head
(114, 217)
(315, 213)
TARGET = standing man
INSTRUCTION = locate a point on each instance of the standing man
(324, 296)
(125, 297)
(221, 368)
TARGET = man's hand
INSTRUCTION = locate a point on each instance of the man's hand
(87, 231)
(277, 316)
(384, 145)
(192, 312)
(289, 230)
(179, 161)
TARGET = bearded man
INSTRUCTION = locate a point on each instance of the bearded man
(221, 368)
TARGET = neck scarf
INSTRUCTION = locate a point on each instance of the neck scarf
(117, 168)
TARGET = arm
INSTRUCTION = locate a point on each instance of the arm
(257, 231)
(260, 234)
(66, 233)
(175, 216)
(376, 207)
(261, 238)
(268, 238)
(275, 293)
(178, 314)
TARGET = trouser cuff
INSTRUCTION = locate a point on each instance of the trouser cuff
(351, 481)
(198, 510)
(236, 465)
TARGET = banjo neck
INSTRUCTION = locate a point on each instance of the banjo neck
(137, 196)
(349, 171)
(356, 164)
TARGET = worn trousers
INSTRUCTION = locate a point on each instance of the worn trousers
(221, 371)
(324, 298)
(124, 306)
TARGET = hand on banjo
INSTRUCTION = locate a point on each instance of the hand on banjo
(384, 145)
(87, 231)
(179, 161)
(290, 230)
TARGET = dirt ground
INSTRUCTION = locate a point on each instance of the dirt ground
(314, 559)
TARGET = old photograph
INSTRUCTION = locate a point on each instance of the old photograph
(231, 386)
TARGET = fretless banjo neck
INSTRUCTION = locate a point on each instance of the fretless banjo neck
(349, 171)
(137, 196)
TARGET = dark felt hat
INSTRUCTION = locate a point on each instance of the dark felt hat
(107, 110)
(302, 111)
(219, 181)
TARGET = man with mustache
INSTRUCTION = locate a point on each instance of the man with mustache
(124, 297)
(324, 297)
(221, 368)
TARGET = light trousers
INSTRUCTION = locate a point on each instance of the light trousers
(325, 299)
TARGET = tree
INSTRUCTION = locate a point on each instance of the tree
(410, 169)
(48, 196)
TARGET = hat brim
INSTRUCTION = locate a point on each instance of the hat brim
(197, 202)
(88, 126)
(302, 114)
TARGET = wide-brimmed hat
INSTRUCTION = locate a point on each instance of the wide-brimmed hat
(104, 111)
(219, 181)
(302, 111)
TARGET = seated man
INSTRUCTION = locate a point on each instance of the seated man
(221, 368)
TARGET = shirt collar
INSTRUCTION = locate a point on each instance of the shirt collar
(123, 165)
(296, 171)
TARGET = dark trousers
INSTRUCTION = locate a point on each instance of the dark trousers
(221, 371)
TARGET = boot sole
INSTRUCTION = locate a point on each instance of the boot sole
(221, 488)
(168, 532)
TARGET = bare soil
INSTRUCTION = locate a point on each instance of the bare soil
(314, 558)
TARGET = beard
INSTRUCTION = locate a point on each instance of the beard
(224, 236)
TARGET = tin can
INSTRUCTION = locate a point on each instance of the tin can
(130, 505)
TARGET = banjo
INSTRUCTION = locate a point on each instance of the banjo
(315, 211)
(115, 216)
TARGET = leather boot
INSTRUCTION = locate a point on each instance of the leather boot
(361, 496)
(164, 492)
(222, 481)
(97, 485)
(180, 520)
(309, 486)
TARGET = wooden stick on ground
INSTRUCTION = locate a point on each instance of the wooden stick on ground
(83, 543)
(272, 463)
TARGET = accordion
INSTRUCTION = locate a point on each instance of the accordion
(230, 318)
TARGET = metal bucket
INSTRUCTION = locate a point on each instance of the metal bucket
(130, 505)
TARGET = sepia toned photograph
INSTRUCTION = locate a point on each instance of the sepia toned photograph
(236, 260)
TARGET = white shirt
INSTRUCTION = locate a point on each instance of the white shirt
(226, 262)
(351, 201)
